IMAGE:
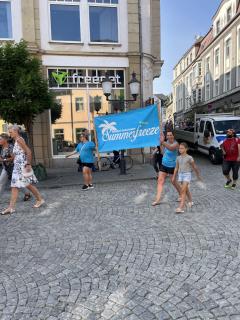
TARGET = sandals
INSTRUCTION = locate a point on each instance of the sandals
(156, 203)
(39, 203)
(27, 197)
(179, 210)
(7, 211)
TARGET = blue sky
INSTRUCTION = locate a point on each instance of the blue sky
(181, 21)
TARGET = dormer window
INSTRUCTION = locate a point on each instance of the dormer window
(229, 14)
(218, 27)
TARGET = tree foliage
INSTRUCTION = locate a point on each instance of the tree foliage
(24, 92)
(56, 112)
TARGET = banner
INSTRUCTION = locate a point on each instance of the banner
(128, 130)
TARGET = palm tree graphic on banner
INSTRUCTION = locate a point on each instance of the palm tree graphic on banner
(108, 126)
(60, 77)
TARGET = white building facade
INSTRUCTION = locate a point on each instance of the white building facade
(207, 77)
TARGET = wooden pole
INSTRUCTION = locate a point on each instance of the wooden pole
(96, 143)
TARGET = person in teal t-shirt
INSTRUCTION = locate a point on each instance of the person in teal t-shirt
(170, 153)
(85, 149)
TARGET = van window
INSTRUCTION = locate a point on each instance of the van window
(201, 127)
(209, 127)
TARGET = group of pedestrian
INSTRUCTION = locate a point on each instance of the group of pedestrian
(16, 159)
(173, 165)
(171, 159)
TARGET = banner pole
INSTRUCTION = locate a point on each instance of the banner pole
(96, 143)
(160, 115)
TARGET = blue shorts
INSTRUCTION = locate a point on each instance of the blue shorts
(185, 177)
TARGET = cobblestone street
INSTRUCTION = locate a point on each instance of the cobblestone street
(107, 254)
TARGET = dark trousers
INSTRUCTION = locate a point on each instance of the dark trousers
(227, 166)
(157, 162)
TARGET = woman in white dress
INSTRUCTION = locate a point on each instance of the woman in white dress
(22, 166)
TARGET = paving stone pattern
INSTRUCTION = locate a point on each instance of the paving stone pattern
(107, 254)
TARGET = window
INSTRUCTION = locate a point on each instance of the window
(228, 44)
(217, 57)
(103, 24)
(201, 127)
(5, 20)
(59, 134)
(216, 87)
(199, 95)
(229, 14)
(227, 81)
(238, 76)
(190, 57)
(79, 104)
(208, 91)
(194, 96)
(79, 131)
(218, 27)
(207, 65)
(209, 127)
(65, 22)
(187, 61)
(199, 69)
(104, 1)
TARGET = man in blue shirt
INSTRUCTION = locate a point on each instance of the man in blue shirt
(85, 149)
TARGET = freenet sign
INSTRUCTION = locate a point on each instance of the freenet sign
(69, 78)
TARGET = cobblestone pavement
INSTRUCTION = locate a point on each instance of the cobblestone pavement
(107, 254)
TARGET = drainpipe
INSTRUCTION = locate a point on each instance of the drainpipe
(141, 62)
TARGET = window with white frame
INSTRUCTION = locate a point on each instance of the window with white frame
(65, 20)
(227, 48)
(103, 18)
(207, 91)
(228, 81)
(79, 104)
(208, 69)
(217, 53)
(218, 26)
(216, 87)
(229, 14)
(5, 20)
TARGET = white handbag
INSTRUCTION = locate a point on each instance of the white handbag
(27, 174)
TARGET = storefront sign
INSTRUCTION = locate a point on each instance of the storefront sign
(67, 78)
(134, 129)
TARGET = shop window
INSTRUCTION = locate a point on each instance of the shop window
(79, 104)
(65, 22)
(59, 134)
(103, 24)
(5, 20)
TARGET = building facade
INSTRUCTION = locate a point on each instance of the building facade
(79, 41)
(207, 77)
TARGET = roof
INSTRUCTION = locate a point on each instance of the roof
(207, 40)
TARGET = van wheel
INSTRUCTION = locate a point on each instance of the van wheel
(215, 156)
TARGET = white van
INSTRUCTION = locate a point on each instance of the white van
(208, 132)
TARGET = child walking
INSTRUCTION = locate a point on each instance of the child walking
(184, 166)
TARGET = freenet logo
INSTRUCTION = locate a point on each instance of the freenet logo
(60, 77)
(111, 133)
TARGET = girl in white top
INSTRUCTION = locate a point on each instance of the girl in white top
(184, 166)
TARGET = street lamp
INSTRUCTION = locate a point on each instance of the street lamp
(134, 85)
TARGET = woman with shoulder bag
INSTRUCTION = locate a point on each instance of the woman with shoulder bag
(6, 158)
(22, 176)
